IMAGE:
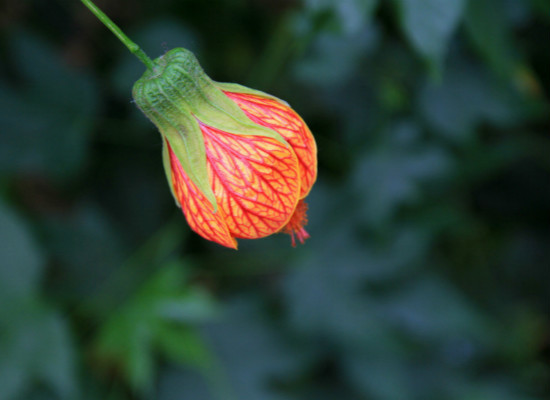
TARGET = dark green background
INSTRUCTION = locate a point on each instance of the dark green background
(427, 275)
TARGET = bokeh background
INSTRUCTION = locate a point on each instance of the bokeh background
(427, 275)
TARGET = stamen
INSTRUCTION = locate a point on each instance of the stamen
(295, 226)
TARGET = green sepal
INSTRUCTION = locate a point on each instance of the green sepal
(168, 171)
(185, 82)
(177, 126)
(208, 103)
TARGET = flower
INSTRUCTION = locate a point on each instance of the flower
(239, 161)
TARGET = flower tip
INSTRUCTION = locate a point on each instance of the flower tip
(301, 234)
(295, 226)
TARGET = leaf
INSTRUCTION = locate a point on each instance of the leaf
(429, 25)
(390, 179)
(125, 344)
(440, 322)
(333, 58)
(185, 346)
(494, 388)
(158, 318)
(379, 377)
(335, 53)
(36, 347)
(542, 7)
(21, 261)
(51, 111)
(251, 353)
(352, 15)
(489, 31)
(467, 97)
(184, 384)
(193, 307)
(86, 248)
(326, 302)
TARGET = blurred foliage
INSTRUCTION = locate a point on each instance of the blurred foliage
(428, 272)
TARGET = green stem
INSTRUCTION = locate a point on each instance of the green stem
(133, 47)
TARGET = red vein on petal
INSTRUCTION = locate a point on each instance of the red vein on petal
(197, 208)
(285, 121)
(255, 180)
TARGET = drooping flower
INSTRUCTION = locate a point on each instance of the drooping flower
(239, 162)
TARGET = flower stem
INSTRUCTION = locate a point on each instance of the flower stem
(133, 47)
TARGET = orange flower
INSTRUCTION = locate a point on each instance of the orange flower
(239, 161)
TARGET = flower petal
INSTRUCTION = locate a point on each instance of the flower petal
(198, 210)
(278, 116)
(255, 180)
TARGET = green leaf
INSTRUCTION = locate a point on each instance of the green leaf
(542, 7)
(36, 348)
(125, 344)
(467, 97)
(335, 52)
(158, 318)
(251, 353)
(183, 345)
(184, 384)
(429, 24)
(21, 261)
(333, 58)
(494, 388)
(379, 377)
(51, 110)
(86, 248)
(489, 31)
(325, 301)
(352, 15)
(193, 307)
(440, 322)
(396, 179)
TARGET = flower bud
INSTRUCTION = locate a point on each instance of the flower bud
(238, 161)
